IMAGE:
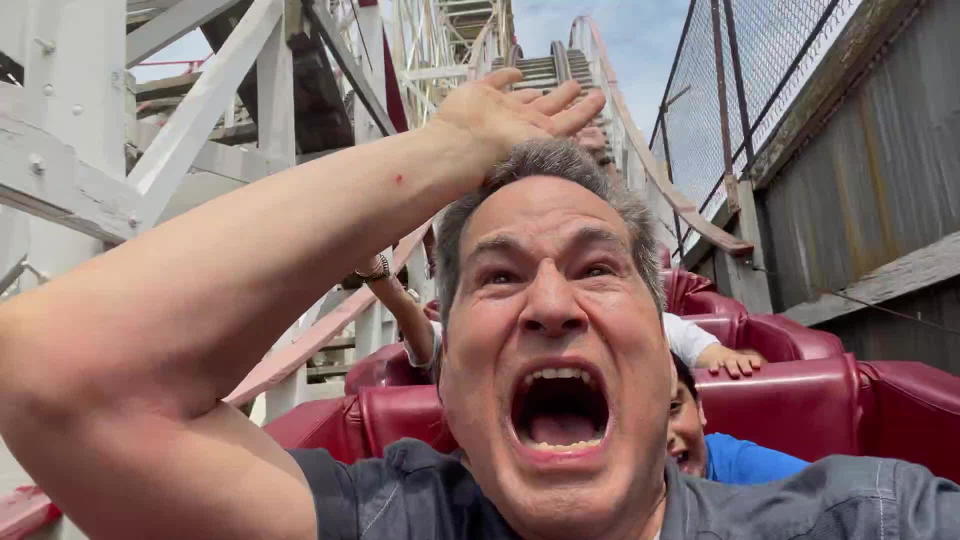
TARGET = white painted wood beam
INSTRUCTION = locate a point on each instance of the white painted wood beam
(918, 269)
(236, 163)
(170, 26)
(275, 118)
(75, 84)
(43, 176)
(442, 72)
(13, 15)
(372, 67)
(328, 31)
(14, 244)
(161, 169)
(137, 5)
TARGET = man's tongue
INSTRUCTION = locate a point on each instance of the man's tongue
(561, 429)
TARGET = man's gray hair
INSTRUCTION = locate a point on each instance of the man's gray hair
(546, 157)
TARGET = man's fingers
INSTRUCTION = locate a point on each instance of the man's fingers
(502, 77)
(558, 98)
(714, 367)
(526, 95)
(744, 363)
(756, 362)
(573, 119)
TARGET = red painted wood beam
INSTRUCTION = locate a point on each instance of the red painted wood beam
(25, 511)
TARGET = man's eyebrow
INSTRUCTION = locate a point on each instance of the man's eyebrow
(591, 235)
(499, 243)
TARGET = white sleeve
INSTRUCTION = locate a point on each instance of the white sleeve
(686, 339)
(437, 346)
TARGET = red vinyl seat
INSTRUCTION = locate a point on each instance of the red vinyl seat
(692, 294)
(810, 409)
(775, 337)
(912, 412)
(806, 409)
(357, 427)
(388, 366)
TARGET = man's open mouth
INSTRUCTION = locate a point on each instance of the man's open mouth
(560, 409)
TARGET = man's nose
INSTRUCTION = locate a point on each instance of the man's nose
(552, 309)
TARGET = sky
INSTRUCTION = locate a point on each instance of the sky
(641, 38)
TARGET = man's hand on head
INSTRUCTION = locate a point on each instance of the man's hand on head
(491, 116)
(717, 357)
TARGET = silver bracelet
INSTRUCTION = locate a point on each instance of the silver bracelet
(380, 273)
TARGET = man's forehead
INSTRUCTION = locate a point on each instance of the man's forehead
(559, 207)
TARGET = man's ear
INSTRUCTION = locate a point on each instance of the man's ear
(673, 374)
(703, 415)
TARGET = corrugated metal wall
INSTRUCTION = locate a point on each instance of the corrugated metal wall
(883, 177)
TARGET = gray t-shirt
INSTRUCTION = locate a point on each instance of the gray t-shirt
(415, 492)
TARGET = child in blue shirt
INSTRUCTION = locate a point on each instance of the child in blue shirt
(718, 457)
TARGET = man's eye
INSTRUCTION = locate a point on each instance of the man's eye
(597, 270)
(674, 406)
(498, 278)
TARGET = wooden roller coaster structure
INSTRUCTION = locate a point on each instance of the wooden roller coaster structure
(85, 164)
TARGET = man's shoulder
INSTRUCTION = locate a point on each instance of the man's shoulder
(412, 455)
(859, 495)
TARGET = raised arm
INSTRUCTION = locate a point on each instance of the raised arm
(112, 374)
(412, 321)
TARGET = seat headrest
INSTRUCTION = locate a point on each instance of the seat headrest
(387, 366)
(392, 413)
(807, 409)
(914, 415)
(724, 326)
(333, 424)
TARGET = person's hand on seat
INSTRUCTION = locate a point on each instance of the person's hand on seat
(717, 357)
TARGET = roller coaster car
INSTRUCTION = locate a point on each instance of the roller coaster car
(827, 404)
(810, 409)
(775, 337)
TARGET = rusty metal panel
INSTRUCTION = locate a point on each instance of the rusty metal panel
(882, 178)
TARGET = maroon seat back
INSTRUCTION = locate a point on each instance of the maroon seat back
(913, 413)
(775, 337)
(391, 414)
(335, 424)
(357, 427)
(807, 409)
(811, 409)
(693, 294)
(388, 366)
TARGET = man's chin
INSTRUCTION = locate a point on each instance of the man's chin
(568, 511)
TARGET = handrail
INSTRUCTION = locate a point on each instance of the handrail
(680, 204)
(278, 365)
(560, 61)
(516, 53)
(476, 50)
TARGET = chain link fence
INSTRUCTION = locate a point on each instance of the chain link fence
(767, 49)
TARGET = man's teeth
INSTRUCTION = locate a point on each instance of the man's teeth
(558, 373)
(563, 447)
